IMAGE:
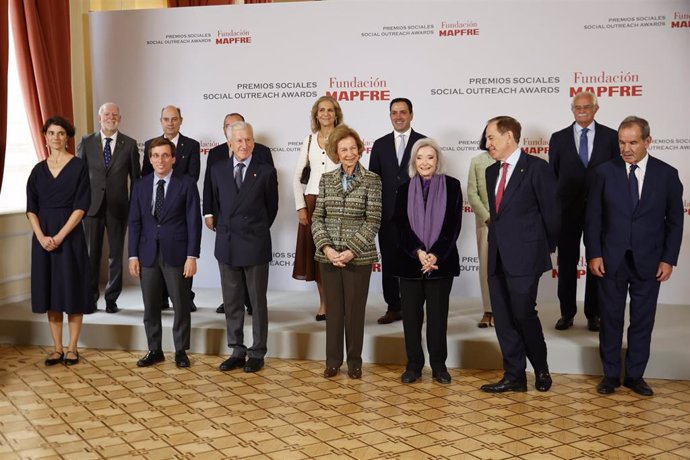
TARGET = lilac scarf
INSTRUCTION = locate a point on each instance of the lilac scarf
(427, 220)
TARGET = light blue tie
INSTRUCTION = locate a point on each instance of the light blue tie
(401, 148)
(584, 148)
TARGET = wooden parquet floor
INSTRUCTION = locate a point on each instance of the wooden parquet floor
(106, 407)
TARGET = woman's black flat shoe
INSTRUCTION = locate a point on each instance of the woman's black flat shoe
(72, 361)
(321, 317)
(53, 361)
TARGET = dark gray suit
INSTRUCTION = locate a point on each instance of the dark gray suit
(109, 209)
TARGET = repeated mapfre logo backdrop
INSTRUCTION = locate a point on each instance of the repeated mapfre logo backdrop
(460, 63)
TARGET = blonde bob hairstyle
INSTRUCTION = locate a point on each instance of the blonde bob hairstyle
(341, 132)
(315, 125)
(425, 142)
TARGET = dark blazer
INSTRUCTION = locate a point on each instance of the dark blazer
(573, 177)
(654, 230)
(525, 230)
(445, 248)
(244, 218)
(220, 152)
(384, 162)
(178, 231)
(186, 158)
(110, 183)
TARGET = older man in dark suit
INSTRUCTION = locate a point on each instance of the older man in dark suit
(245, 197)
(187, 159)
(220, 152)
(390, 156)
(113, 160)
(633, 232)
(523, 231)
(574, 152)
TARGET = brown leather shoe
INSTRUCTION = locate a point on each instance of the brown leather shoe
(355, 373)
(330, 372)
(389, 317)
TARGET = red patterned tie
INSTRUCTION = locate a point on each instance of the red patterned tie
(501, 186)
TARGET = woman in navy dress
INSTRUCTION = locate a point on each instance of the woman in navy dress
(58, 195)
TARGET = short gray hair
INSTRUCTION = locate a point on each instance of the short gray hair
(426, 142)
(237, 126)
(592, 98)
(632, 120)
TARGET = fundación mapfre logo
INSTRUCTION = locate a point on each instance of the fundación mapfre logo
(358, 89)
(610, 84)
(233, 37)
(680, 20)
(458, 28)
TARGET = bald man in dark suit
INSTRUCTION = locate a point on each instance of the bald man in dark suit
(113, 162)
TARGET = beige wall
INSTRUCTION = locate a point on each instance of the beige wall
(15, 247)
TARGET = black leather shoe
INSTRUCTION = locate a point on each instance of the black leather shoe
(354, 373)
(220, 309)
(193, 306)
(593, 324)
(151, 358)
(330, 372)
(53, 361)
(504, 385)
(111, 307)
(254, 365)
(608, 385)
(232, 363)
(250, 311)
(564, 323)
(543, 380)
(389, 317)
(639, 386)
(410, 376)
(321, 317)
(181, 359)
(441, 377)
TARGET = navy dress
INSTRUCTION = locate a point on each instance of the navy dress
(60, 279)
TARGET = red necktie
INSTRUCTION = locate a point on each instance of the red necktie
(501, 185)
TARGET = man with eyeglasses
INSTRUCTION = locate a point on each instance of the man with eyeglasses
(574, 153)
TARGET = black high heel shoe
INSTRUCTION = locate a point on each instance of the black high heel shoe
(53, 361)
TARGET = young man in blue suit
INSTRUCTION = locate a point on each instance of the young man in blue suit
(164, 243)
(245, 203)
(523, 230)
(187, 158)
(633, 232)
(574, 152)
(390, 156)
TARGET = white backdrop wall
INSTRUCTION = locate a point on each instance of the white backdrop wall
(460, 62)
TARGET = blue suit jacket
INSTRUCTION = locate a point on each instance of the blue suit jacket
(187, 158)
(526, 228)
(573, 177)
(653, 231)
(179, 230)
(221, 152)
(384, 162)
(243, 219)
